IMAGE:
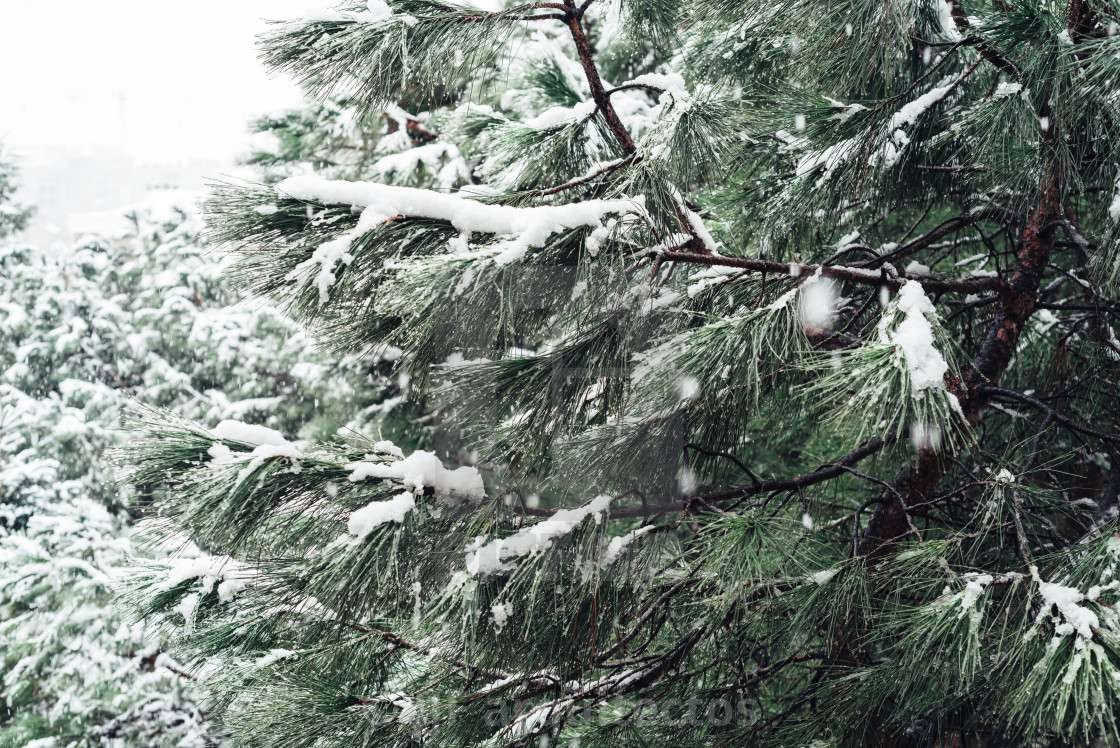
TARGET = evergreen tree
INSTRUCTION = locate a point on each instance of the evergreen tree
(784, 334)
(13, 214)
(146, 316)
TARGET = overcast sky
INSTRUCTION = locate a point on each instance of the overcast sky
(166, 82)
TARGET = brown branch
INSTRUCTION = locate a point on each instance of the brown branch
(825, 472)
(987, 51)
(573, 17)
(1016, 303)
(1050, 412)
(578, 181)
(940, 231)
(838, 272)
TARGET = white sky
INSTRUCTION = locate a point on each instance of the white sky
(165, 82)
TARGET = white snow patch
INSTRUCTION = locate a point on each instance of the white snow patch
(973, 589)
(670, 83)
(619, 544)
(522, 228)
(1114, 207)
(914, 335)
(487, 558)
(824, 576)
(499, 614)
(1076, 618)
(230, 576)
(558, 116)
(422, 469)
(945, 18)
(917, 269)
(237, 431)
(273, 656)
(269, 444)
(363, 521)
(909, 113)
(443, 159)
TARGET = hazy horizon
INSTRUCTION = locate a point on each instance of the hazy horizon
(128, 95)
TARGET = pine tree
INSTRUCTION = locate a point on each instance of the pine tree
(143, 316)
(13, 214)
(784, 336)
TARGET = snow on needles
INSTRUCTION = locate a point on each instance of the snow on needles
(268, 443)
(619, 545)
(670, 83)
(247, 433)
(559, 116)
(376, 11)
(487, 558)
(423, 469)
(363, 521)
(229, 574)
(521, 228)
(914, 335)
(1076, 617)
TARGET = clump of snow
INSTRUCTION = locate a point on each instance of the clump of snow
(1076, 618)
(824, 576)
(695, 223)
(423, 469)
(846, 110)
(830, 158)
(387, 447)
(487, 558)
(670, 83)
(783, 300)
(376, 11)
(274, 655)
(619, 545)
(1004, 90)
(558, 116)
(269, 444)
(443, 159)
(237, 431)
(363, 521)
(910, 112)
(187, 608)
(1004, 476)
(914, 335)
(230, 576)
(917, 269)
(521, 228)
(887, 155)
(499, 614)
(973, 589)
(1114, 207)
(945, 18)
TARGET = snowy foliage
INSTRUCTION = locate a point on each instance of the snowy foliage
(780, 338)
(143, 317)
(13, 214)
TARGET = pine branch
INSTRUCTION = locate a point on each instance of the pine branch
(1016, 303)
(826, 472)
(988, 389)
(573, 17)
(838, 272)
